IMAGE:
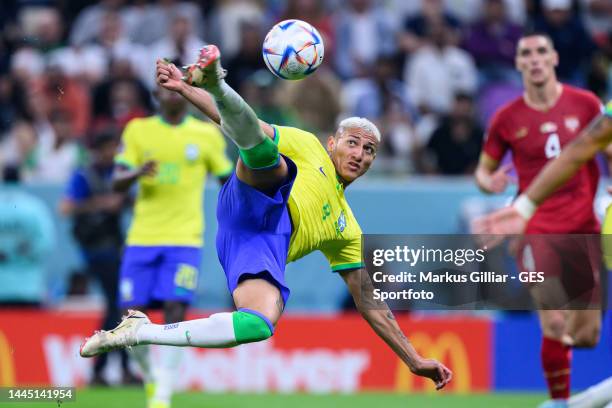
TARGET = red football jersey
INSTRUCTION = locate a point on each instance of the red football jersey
(534, 137)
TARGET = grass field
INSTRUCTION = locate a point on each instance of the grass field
(134, 398)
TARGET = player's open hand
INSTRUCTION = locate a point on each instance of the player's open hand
(500, 179)
(148, 169)
(495, 227)
(505, 221)
(168, 75)
(436, 371)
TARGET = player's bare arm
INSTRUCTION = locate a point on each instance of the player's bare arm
(490, 177)
(382, 321)
(170, 77)
(124, 177)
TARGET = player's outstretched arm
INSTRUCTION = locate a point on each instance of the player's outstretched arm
(381, 319)
(170, 77)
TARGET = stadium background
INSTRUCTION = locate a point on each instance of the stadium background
(69, 70)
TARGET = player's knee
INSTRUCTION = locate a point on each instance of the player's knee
(555, 327)
(251, 326)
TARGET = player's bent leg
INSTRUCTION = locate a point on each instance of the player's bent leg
(584, 327)
(219, 330)
(260, 304)
(259, 295)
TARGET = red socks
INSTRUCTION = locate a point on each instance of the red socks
(556, 362)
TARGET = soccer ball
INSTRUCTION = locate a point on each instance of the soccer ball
(293, 49)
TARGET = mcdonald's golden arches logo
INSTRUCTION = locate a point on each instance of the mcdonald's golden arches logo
(447, 348)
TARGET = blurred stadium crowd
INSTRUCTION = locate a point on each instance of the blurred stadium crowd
(429, 72)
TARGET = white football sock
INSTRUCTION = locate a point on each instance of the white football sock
(141, 355)
(217, 330)
(165, 374)
(238, 121)
(594, 396)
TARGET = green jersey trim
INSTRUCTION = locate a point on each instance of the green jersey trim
(344, 267)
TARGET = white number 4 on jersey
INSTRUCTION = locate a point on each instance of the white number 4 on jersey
(552, 148)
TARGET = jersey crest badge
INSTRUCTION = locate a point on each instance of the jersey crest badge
(192, 152)
(572, 123)
(341, 223)
(548, 127)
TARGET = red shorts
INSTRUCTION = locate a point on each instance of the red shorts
(575, 259)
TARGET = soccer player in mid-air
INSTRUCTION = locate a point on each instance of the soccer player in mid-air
(284, 201)
(168, 155)
(535, 127)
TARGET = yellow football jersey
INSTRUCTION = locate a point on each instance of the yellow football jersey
(322, 219)
(168, 208)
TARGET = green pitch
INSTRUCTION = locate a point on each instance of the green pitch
(134, 398)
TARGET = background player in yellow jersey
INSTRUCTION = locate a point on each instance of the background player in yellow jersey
(169, 154)
(285, 200)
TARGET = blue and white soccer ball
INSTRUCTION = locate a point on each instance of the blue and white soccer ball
(293, 49)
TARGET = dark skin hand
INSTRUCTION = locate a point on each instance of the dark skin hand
(124, 178)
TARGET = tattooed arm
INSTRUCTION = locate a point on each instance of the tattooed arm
(595, 138)
(381, 319)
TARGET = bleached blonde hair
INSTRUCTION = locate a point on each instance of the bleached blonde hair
(359, 123)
